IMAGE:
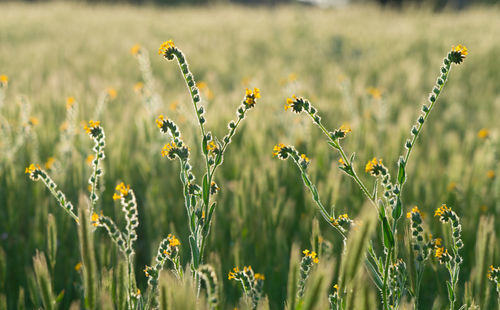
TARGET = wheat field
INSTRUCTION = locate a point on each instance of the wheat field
(363, 66)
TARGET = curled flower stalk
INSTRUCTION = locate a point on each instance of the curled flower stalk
(494, 276)
(421, 248)
(36, 173)
(455, 56)
(168, 250)
(252, 283)
(283, 152)
(96, 133)
(453, 260)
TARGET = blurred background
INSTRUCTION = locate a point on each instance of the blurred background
(367, 64)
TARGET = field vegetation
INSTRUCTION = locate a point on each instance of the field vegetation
(363, 67)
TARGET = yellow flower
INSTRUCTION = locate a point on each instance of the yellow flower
(165, 46)
(440, 252)
(458, 53)
(438, 242)
(413, 210)
(211, 146)
(277, 148)
(342, 162)
(441, 210)
(64, 126)
(31, 168)
(78, 266)
(50, 161)
(167, 148)
(173, 105)
(122, 189)
(159, 121)
(304, 157)
(289, 102)
(33, 121)
(173, 241)
(483, 133)
(70, 101)
(134, 50)
(111, 93)
(138, 87)
(89, 159)
(374, 92)
(232, 274)
(374, 166)
(95, 219)
(491, 174)
(91, 126)
(259, 276)
(4, 80)
(460, 49)
(250, 96)
(202, 85)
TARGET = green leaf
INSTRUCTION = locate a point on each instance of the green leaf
(374, 274)
(451, 297)
(60, 297)
(388, 236)
(195, 251)
(402, 171)
(398, 209)
(206, 189)
(204, 145)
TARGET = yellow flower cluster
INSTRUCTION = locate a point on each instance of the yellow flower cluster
(441, 210)
(277, 148)
(312, 255)
(167, 148)
(165, 46)
(32, 168)
(440, 251)
(134, 50)
(123, 191)
(159, 121)
(211, 146)
(50, 161)
(232, 274)
(259, 276)
(250, 96)
(460, 49)
(70, 101)
(138, 87)
(173, 241)
(373, 165)
(91, 126)
(413, 210)
(111, 92)
(289, 102)
(483, 133)
(304, 157)
(4, 80)
(95, 219)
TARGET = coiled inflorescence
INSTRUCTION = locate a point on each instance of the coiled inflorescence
(36, 173)
(421, 248)
(207, 274)
(308, 260)
(451, 261)
(251, 282)
(96, 132)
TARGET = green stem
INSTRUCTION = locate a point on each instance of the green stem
(386, 275)
(346, 160)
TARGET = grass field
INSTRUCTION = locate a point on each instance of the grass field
(364, 66)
